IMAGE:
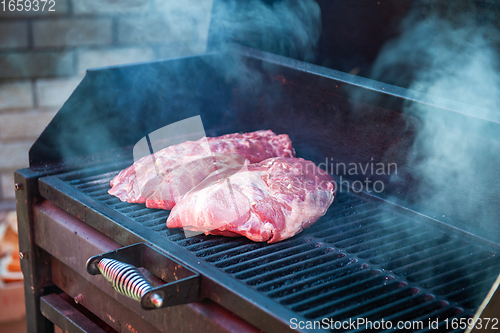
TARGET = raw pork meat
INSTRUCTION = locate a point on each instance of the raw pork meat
(171, 172)
(180, 180)
(269, 201)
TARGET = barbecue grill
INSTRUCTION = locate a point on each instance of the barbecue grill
(367, 258)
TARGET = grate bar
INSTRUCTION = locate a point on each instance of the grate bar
(350, 225)
(342, 267)
(274, 258)
(213, 244)
(467, 291)
(424, 310)
(388, 236)
(382, 245)
(332, 221)
(470, 273)
(421, 256)
(346, 307)
(89, 179)
(365, 230)
(409, 248)
(431, 262)
(300, 293)
(284, 269)
(403, 304)
(258, 250)
(348, 290)
(446, 263)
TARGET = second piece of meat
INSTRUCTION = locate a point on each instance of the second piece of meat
(269, 201)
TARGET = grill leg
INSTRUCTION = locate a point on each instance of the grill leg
(35, 263)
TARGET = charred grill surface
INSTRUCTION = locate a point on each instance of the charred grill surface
(363, 259)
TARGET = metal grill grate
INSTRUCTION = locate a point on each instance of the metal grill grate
(363, 259)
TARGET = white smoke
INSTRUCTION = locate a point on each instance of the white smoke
(288, 28)
(454, 56)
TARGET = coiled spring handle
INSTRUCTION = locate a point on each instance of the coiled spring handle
(119, 267)
(127, 280)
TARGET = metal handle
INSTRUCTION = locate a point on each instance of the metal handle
(128, 280)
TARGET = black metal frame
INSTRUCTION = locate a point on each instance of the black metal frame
(35, 263)
(216, 284)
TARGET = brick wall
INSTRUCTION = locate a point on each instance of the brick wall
(44, 55)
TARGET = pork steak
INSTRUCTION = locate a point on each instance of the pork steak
(268, 201)
(160, 179)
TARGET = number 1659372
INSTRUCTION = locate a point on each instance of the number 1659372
(28, 5)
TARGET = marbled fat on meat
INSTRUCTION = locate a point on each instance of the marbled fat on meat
(269, 201)
(161, 179)
(185, 177)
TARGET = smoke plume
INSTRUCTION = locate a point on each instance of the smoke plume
(451, 52)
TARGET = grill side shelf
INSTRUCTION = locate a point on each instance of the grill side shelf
(235, 296)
